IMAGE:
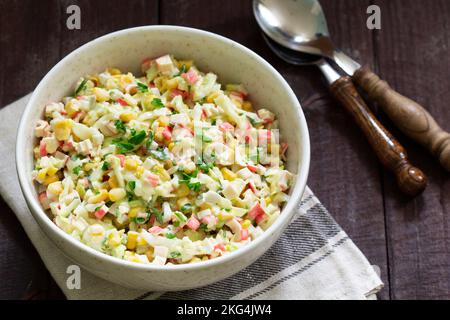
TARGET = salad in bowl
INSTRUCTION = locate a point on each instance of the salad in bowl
(167, 167)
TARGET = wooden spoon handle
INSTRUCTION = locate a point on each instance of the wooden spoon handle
(392, 155)
(408, 115)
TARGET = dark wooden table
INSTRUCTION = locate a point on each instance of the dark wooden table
(408, 238)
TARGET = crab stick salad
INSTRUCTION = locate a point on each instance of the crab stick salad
(167, 168)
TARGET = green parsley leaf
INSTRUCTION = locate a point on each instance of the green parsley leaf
(158, 214)
(123, 146)
(120, 126)
(180, 216)
(105, 166)
(203, 227)
(131, 185)
(81, 87)
(137, 138)
(183, 70)
(175, 254)
(76, 170)
(205, 167)
(170, 235)
(157, 103)
(142, 87)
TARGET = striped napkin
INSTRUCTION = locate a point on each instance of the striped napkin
(313, 259)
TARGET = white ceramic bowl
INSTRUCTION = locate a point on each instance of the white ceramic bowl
(126, 49)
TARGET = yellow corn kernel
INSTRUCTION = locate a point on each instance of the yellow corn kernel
(113, 182)
(51, 170)
(42, 174)
(125, 80)
(113, 71)
(211, 97)
(131, 242)
(237, 103)
(268, 200)
(131, 164)
(164, 175)
(114, 239)
(163, 121)
(101, 196)
(186, 63)
(50, 179)
(149, 254)
(225, 216)
(205, 206)
(117, 194)
(228, 174)
(182, 190)
(55, 188)
(94, 79)
(205, 258)
(247, 106)
(141, 242)
(159, 134)
(171, 145)
(101, 95)
(139, 171)
(170, 84)
(62, 129)
(71, 108)
(127, 116)
(88, 166)
(195, 260)
(246, 223)
(134, 212)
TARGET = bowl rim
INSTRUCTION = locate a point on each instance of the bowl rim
(41, 217)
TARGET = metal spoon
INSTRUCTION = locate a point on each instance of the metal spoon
(301, 26)
(410, 179)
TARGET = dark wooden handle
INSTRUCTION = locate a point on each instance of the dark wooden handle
(407, 114)
(392, 155)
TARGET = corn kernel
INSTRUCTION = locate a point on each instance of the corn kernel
(101, 95)
(88, 166)
(131, 164)
(164, 175)
(211, 97)
(183, 190)
(113, 182)
(171, 145)
(42, 174)
(51, 170)
(125, 80)
(127, 116)
(116, 194)
(141, 241)
(62, 129)
(163, 121)
(114, 240)
(228, 174)
(247, 223)
(131, 242)
(55, 188)
(268, 200)
(50, 179)
(225, 216)
(205, 258)
(71, 108)
(81, 191)
(149, 254)
(139, 171)
(101, 196)
(171, 84)
(237, 103)
(134, 212)
(113, 71)
(159, 134)
(247, 106)
(195, 260)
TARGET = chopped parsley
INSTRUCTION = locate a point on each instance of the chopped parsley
(76, 170)
(183, 70)
(123, 146)
(105, 166)
(175, 254)
(180, 216)
(120, 126)
(131, 185)
(160, 154)
(157, 103)
(170, 235)
(142, 87)
(158, 215)
(205, 167)
(186, 208)
(137, 138)
(81, 87)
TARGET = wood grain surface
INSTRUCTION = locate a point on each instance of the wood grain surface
(408, 239)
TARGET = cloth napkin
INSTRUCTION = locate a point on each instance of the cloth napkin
(313, 259)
